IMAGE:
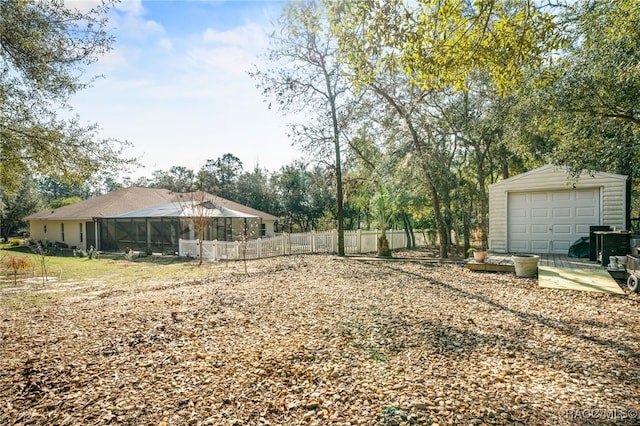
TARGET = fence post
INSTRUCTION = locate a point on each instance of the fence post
(284, 243)
(179, 246)
(259, 248)
(334, 240)
(313, 241)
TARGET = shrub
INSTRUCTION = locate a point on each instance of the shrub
(16, 264)
(92, 252)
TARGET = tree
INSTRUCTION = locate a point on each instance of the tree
(592, 110)
(409, 126)
(292, 185)
(44, 47)
(307, 77)
(16, 205)
(476, 121)
(442, 44)
(53, 190)
(61, 202)
(176, 179)
(254, 189)
(322, 199)
(219, 176)
(407, 52)
(198, 208)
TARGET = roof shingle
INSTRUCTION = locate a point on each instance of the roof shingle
(110, 204)
(132, 199)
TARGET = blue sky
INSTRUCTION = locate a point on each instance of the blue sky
(176, 86)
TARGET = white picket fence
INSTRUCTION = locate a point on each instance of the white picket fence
(355, 242)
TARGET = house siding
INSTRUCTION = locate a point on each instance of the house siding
(53, 232)
(270, 228)
(548, 178)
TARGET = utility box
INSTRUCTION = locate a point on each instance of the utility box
(612, 243)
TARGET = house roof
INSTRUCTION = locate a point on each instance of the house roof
(550, 168)
(232, 205)
(110, 204)
(174, 209)
(146, 202)
(191, 198)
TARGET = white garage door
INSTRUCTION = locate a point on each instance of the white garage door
(550, 221)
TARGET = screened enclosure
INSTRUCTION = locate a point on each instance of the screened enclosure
(143, 234)
(159, 228)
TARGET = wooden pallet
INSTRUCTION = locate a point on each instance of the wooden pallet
(492, 264)
(504, 263)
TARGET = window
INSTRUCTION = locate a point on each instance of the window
(81, 239)
(62, 231)
(263, 230)
(45, 229)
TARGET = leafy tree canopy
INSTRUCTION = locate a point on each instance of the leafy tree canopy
(44, 48)
(442, 43)
(14, 206)
(587, 117)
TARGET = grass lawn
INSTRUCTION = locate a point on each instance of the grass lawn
(68, 275)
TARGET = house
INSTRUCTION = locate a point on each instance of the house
(544, 211)
(148, 219)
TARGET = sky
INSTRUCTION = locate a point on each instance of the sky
(175, 84)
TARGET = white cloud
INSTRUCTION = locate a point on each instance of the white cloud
(165, 44)
(83, 5)
(227, 54)
(129, 20)
(131, 7)
(188, 98)
(115, 58)
(226, 61)
(251, 37)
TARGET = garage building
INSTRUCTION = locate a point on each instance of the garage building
(545, 211)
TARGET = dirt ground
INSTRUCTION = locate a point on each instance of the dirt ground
(323, 340)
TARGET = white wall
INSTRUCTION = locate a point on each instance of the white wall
(51, 230)
(548, 178)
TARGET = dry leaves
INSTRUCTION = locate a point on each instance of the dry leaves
(315, 340)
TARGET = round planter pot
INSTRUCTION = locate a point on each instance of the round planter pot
(526, 265)
(479, 256)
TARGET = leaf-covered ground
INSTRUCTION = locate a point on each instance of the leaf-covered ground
(315, 340)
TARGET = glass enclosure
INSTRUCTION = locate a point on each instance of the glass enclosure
(161, 235)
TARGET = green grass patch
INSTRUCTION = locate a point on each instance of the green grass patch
(67, 275)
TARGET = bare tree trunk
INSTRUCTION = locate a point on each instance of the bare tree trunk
(408, 231)
(336, 142)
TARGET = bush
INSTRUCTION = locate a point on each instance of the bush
(91, 253)
(16, 264)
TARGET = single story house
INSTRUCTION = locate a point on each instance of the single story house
(544, 211)
(148, 219)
